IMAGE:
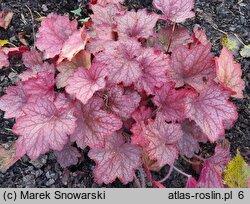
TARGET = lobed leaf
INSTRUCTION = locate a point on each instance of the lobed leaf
(116, 159)
(45, 125)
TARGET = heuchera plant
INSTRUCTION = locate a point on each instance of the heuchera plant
(138, 98)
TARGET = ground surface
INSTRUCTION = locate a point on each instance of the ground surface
(231, 16)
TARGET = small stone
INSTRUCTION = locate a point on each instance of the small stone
(38, 173)
(48, 175)
(40, 162)
(50, 182)
(44, 8)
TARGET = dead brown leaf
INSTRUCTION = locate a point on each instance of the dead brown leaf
(7, 158)
(5, 18)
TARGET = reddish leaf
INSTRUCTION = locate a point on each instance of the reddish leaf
(167, 40)
(67, 156)
(154, 67)
(41, 85)
(221, 157)
(162, 141)
(106, 2)
(120, 58)
(16, 97)
(175, 10)
(121, 102)
(73, 45)
(229, 73)
(104, 15)
(171, 102)
(209, 177)
(211, 109)
(116, 159)
(5, 18)
(68, 68)
(94, 124)
(138, 24)
(33, 60)
(193, 66)
(191, 183)
(141, 117)
(189, 143)
(53, 33)
(14, 50)
(45, 125)
(4, 62)
(200, 36)
(84, 83)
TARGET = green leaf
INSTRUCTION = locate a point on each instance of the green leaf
(84, 20)
(77, 12)
(3, 42)
(231, 42)
(236, 173)
(245, 51)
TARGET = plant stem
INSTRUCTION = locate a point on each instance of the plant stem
(142, 176)
(200, 158)
(181, 172)
(168, 175)
(171, 37)
(189, 161)
(149, 176)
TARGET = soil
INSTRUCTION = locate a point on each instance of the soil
(231, 16)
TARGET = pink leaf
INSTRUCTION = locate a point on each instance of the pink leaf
(209, 177)
(33, 60)
(193, 66)
(167, 40)
(221, 157)
(4, 62)
(94, 124)
(45, 125)
(67, 156)
(154, 71)
(120, 58)
(200, 36)
(73, 45)
(229, 73)
(175, 10)
(141, 117)
(189, 143)
(12, 103)
(171, 102)
(84, 83)
(101, 39)
(211, 109)
(42, 84)
(162, 141)
(191, 183)
(138, 24)
(116, 159)
(121, 102)
(104, 15)
(53, 33)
